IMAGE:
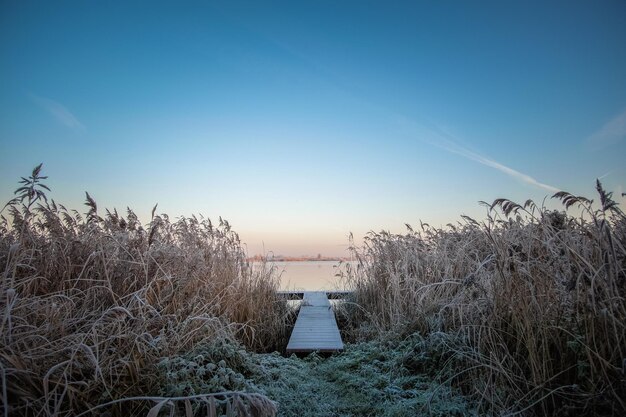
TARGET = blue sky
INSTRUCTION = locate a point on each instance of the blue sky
(301, 122)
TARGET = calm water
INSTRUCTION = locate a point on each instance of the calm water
(308, 275)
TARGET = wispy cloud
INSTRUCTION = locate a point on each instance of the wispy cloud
(441, 138)
(58, 111)
(612, 132)
(453, 147)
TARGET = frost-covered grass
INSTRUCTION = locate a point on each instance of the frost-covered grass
(367, 379)
(378, 378)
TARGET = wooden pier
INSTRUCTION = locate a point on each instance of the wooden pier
(316, 328)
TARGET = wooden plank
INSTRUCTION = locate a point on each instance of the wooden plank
(316, 328)
(316, 299)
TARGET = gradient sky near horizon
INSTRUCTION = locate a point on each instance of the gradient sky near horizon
(301, 122)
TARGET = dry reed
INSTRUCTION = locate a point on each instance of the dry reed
(535, 299)
(90, 304)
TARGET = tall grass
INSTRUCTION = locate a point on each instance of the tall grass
(89, 305)
(535, 301)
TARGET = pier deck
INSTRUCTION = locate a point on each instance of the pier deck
(316, 328)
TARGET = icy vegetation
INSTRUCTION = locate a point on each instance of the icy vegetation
(379, 378)
(523, 313)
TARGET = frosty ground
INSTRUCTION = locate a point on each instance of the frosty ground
(367, 379)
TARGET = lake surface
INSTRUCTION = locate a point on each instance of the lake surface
(308, 275)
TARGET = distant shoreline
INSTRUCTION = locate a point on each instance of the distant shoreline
(279, 258)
